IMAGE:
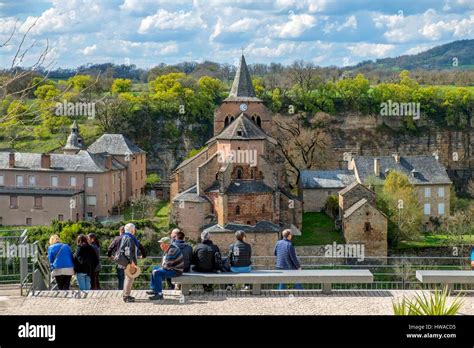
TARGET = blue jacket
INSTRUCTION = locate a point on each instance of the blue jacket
(61, 260)
(286, 255)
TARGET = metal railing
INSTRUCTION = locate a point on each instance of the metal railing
(390, 273)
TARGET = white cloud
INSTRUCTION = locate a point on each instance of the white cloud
(370, 50)
(164, 20)
(89, 50)
(297, 25)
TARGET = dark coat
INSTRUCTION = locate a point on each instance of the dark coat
(204, 257)
(187, 251)
(85, 259)
(240, 254)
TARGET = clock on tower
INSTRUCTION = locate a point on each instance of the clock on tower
(243, 107)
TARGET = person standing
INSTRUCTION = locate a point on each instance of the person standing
(128, 252)
(286, 256)
(171, 267)
(111, 251)
(61, 262)
(85, 262)
(94, 242)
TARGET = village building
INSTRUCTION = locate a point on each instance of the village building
(238, 181)
(78, 184)
(425, 173)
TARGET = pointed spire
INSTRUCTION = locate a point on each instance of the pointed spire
(74, 141)
(242, 86)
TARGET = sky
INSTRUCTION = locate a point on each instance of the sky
(149, 32)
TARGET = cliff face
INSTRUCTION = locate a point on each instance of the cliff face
(376, 135)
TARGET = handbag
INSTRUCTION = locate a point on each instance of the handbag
(119, 258)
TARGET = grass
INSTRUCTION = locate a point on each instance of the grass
(318, 229)
(432, 241)
(162, 214)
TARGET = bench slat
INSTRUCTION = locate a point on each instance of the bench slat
(445, 277)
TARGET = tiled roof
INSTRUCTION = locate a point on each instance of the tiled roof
(83, 161)
(248, 186)
(190, 195)
(242, 129)
(114, 144)
(356, 206)
(429, 170)
(326, 178)
(261, 227)
(351, 186)
(190, 159)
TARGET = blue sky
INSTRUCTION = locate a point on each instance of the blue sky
(149, 32)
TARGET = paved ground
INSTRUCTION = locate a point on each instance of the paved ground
(343, 302)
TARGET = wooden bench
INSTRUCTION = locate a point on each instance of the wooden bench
(257, 278)
(446, 278)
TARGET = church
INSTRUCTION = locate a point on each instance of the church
(238, 180)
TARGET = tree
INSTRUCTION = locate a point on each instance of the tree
(121, 86)
(405, 222)
(304, 146)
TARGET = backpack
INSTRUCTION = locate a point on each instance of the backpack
(119, 257)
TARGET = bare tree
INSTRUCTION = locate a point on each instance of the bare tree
(304, 146)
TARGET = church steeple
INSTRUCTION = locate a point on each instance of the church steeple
(242, 86)
(74, 141)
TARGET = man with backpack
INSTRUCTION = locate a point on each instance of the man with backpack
(206, 257)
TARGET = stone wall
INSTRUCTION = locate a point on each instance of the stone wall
(315, 199)
(253, 208)
(190, 216)
(262, 244)
(232, 109)
(373, 236)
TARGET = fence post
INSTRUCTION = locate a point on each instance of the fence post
(22, 248)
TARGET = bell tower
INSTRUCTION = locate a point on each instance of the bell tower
(242, 99)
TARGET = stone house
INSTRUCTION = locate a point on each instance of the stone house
(79, 184)
(364, 224)
(315, 186)
(425, 173)
(238, 180)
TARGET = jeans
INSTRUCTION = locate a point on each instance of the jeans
(120, 277)
(246, 269)
(84, 281)
(158, 274)
(283, 286)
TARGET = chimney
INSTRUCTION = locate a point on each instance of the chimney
(45, 160)
(11, 160)
(377, 166)
(108, 162)
(396, 156)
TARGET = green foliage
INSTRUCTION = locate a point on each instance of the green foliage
(194, 152)
(405, 223)
(318, 229)
(433, 304)
(121, 86)
(152, 179)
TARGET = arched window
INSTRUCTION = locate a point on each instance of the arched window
(253, 119)
(252, 173)
(232, 119)
(226, 121)
(217, 176)
(263, 208)
(259, 121)
(237, 210)
(239, 173)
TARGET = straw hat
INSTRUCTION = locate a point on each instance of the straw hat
(129, 273)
